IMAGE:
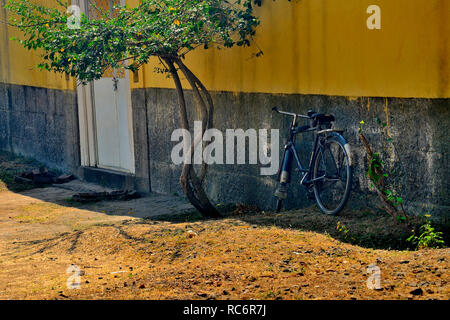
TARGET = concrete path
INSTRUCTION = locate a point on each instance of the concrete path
(148, 206)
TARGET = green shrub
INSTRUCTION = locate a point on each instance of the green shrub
(428, 236)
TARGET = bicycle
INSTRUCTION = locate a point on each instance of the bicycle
(328, 178)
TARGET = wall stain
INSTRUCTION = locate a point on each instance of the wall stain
(386, 112)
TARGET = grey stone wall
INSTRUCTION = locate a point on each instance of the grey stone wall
(419, 150)
(40, 123)
(43, 124)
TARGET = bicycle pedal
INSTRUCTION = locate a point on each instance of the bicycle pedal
(281, 192)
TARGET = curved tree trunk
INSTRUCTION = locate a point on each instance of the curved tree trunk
(207, 111)
(191, 183)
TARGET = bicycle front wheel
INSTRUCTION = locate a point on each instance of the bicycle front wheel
(332, 175)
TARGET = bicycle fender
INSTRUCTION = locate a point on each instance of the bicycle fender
(346, 145)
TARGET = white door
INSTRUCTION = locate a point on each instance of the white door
(111, 121)
(111, 111)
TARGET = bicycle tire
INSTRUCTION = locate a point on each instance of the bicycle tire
(321, 160)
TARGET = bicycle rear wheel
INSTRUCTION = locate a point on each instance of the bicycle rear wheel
(332, 175)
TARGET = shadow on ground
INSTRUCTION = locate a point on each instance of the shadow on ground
(367, 228)
(61, 194)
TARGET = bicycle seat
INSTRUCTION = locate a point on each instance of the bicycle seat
(322, 119)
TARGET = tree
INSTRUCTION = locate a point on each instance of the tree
(392, 202)
(167, 29)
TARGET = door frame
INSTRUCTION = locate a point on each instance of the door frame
(87, 121)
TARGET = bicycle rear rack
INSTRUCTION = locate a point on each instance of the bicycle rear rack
(330, 130)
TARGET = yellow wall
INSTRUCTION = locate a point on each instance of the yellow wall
(18, 65)
(310, 47)
(324, 47)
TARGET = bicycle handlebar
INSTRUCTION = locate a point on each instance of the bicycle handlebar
(275, 109)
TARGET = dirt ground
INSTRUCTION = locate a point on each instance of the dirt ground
(157, 247)
(240, 257)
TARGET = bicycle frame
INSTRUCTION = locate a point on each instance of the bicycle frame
(290, 153)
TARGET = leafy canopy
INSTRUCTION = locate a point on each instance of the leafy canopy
(163, 28)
